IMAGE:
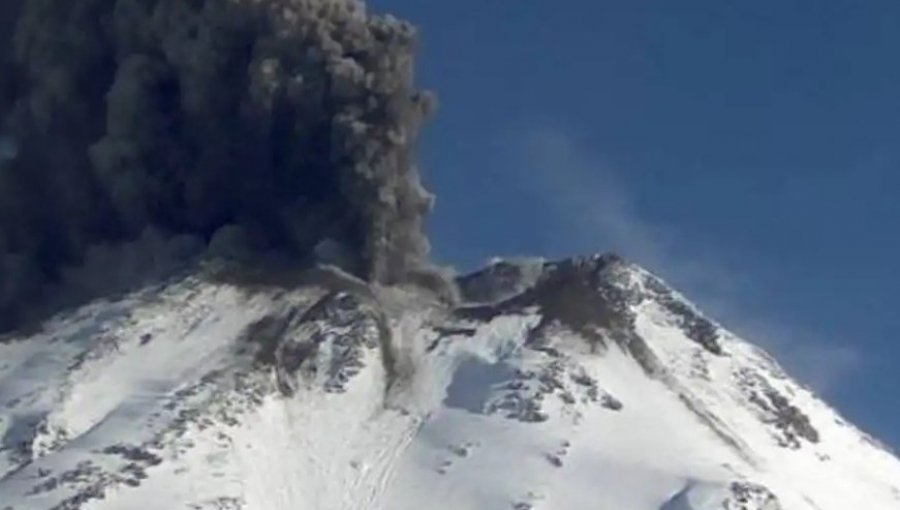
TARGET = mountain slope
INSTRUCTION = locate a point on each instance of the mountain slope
(580, 384)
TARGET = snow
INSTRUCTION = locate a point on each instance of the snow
(160, 400)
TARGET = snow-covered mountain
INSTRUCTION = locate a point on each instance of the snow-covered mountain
(582, 384)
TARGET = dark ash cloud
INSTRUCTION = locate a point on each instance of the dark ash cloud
(145, 131)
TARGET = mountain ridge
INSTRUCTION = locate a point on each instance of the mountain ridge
(568, 384)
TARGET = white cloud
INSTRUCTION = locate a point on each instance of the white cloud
(593, 210)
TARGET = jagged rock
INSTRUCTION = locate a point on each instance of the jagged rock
(327, 343)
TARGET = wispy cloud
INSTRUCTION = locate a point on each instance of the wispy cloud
(593, 209)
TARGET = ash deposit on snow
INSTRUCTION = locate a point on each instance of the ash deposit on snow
(138, 133)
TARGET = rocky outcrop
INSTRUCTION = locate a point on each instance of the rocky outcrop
(327, 343)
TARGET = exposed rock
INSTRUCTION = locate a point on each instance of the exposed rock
(790, 423)
(749, 496)
(695, 326)
(501, 280)
(327, 343)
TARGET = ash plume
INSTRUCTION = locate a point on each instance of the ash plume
(135, 132)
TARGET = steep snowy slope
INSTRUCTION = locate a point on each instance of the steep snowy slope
(582, 384)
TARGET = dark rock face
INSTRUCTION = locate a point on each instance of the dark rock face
(789, 419)
(695, 326)
(90, 481)
(328, 343)
(525, 395)
(749, 496)
(497, 281)
(582, 294)
(586, 296)
(579, 294)
(740, 495)
(575, 293)
(790, 424)
(134, 453)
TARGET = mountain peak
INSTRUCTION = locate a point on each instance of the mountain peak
(505, 277)
(574, 384)
(587, 293)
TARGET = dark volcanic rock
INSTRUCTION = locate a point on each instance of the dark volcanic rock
(576, 293)
(749, 496)
(695, 326)
(343, 324)
(584, 295)
(790, 424)
(496, 282)
(788, 418)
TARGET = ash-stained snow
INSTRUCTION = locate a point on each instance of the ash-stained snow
(581, 384)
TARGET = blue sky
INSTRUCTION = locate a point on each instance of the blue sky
(748, 152)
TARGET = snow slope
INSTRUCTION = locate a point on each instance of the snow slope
(581, 384)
